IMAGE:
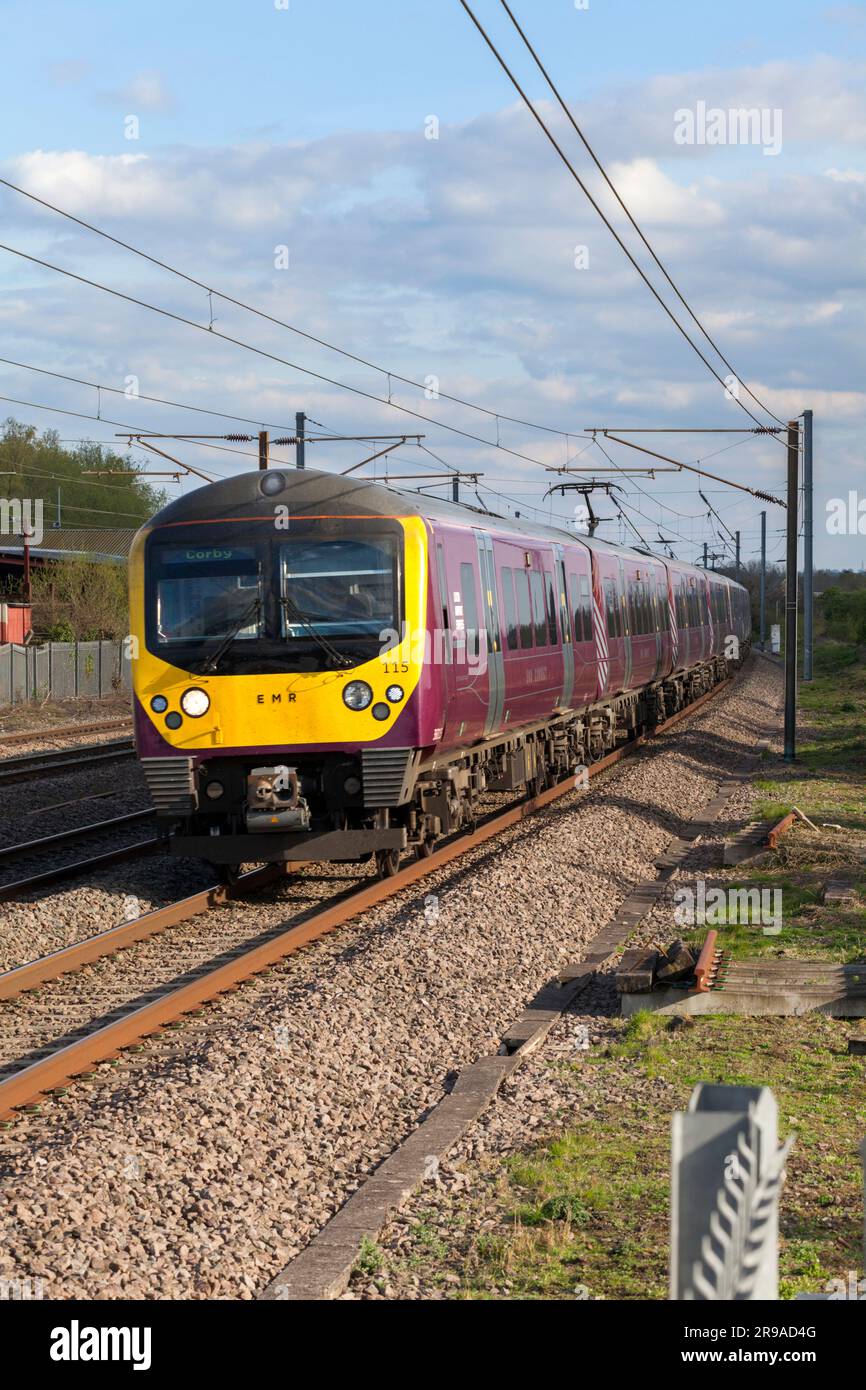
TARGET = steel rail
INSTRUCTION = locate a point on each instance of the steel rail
(27, 765)
(71, 958)
(97, 861)
(66, 837)
(705, 963)
(779, 829)
(61, 731)
(60, 1066)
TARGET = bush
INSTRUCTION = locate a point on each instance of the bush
(62, 631)
(84, 599)
(845, 614)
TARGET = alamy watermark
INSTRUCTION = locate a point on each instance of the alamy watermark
(712, 125)
(440, 646)
(21, 1290)
(718, 907)
(846, 516)
(22, 516)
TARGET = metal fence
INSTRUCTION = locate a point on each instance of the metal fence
(59, 670)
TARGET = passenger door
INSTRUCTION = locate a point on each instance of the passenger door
(565, 629)
(490, 611)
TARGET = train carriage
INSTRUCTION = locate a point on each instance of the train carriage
(331, 668)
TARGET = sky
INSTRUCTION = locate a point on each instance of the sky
(281, 153)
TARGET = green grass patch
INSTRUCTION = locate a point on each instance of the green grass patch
(586, 1213)
(763, 900)
(827, 780)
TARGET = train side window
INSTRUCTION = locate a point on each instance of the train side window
(614, 621)
(576, 609)
(552, 634)
(443, 601)
(510, 609)
(521, 585)
(564, 615)
(586, 607)
(443, 586)
(537, 587)
(469, 594)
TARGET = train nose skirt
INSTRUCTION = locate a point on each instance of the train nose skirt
(273, 847)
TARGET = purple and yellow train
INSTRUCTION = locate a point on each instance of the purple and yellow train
(329, 669)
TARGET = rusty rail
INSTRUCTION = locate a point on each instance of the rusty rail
(780, 828)
(61, 730)
(107, 943)
(705, 964)
(58, 1067)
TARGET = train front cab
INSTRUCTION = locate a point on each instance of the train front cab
(264, 749)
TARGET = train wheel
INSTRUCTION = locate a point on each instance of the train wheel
(228, 874)
(424, 849)
(387, 862)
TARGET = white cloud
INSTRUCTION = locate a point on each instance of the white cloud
(653, 197)
(456, 258)
(147, 91)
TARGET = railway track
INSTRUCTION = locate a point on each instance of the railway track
(24, 766)
(48, 1069)
(64, 731)
(18, 887)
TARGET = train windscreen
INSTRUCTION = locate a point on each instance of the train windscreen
(318, 598)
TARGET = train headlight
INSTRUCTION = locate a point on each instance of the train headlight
(195, 702)
(357, 695)
(214, 789)
(394, 693)
(381, 711)
(159, 704)
(272, 483)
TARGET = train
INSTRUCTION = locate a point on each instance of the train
(330, 668)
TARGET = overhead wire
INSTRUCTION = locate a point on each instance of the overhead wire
(275, 357)
(281, 323)
(567, 162)
(598, 164)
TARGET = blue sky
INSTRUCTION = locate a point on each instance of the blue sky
(239, 68)
(261, 127)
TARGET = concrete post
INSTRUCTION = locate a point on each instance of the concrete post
(726, 1174)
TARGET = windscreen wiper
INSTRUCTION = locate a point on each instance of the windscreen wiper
(252, 611)
(295, 614)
